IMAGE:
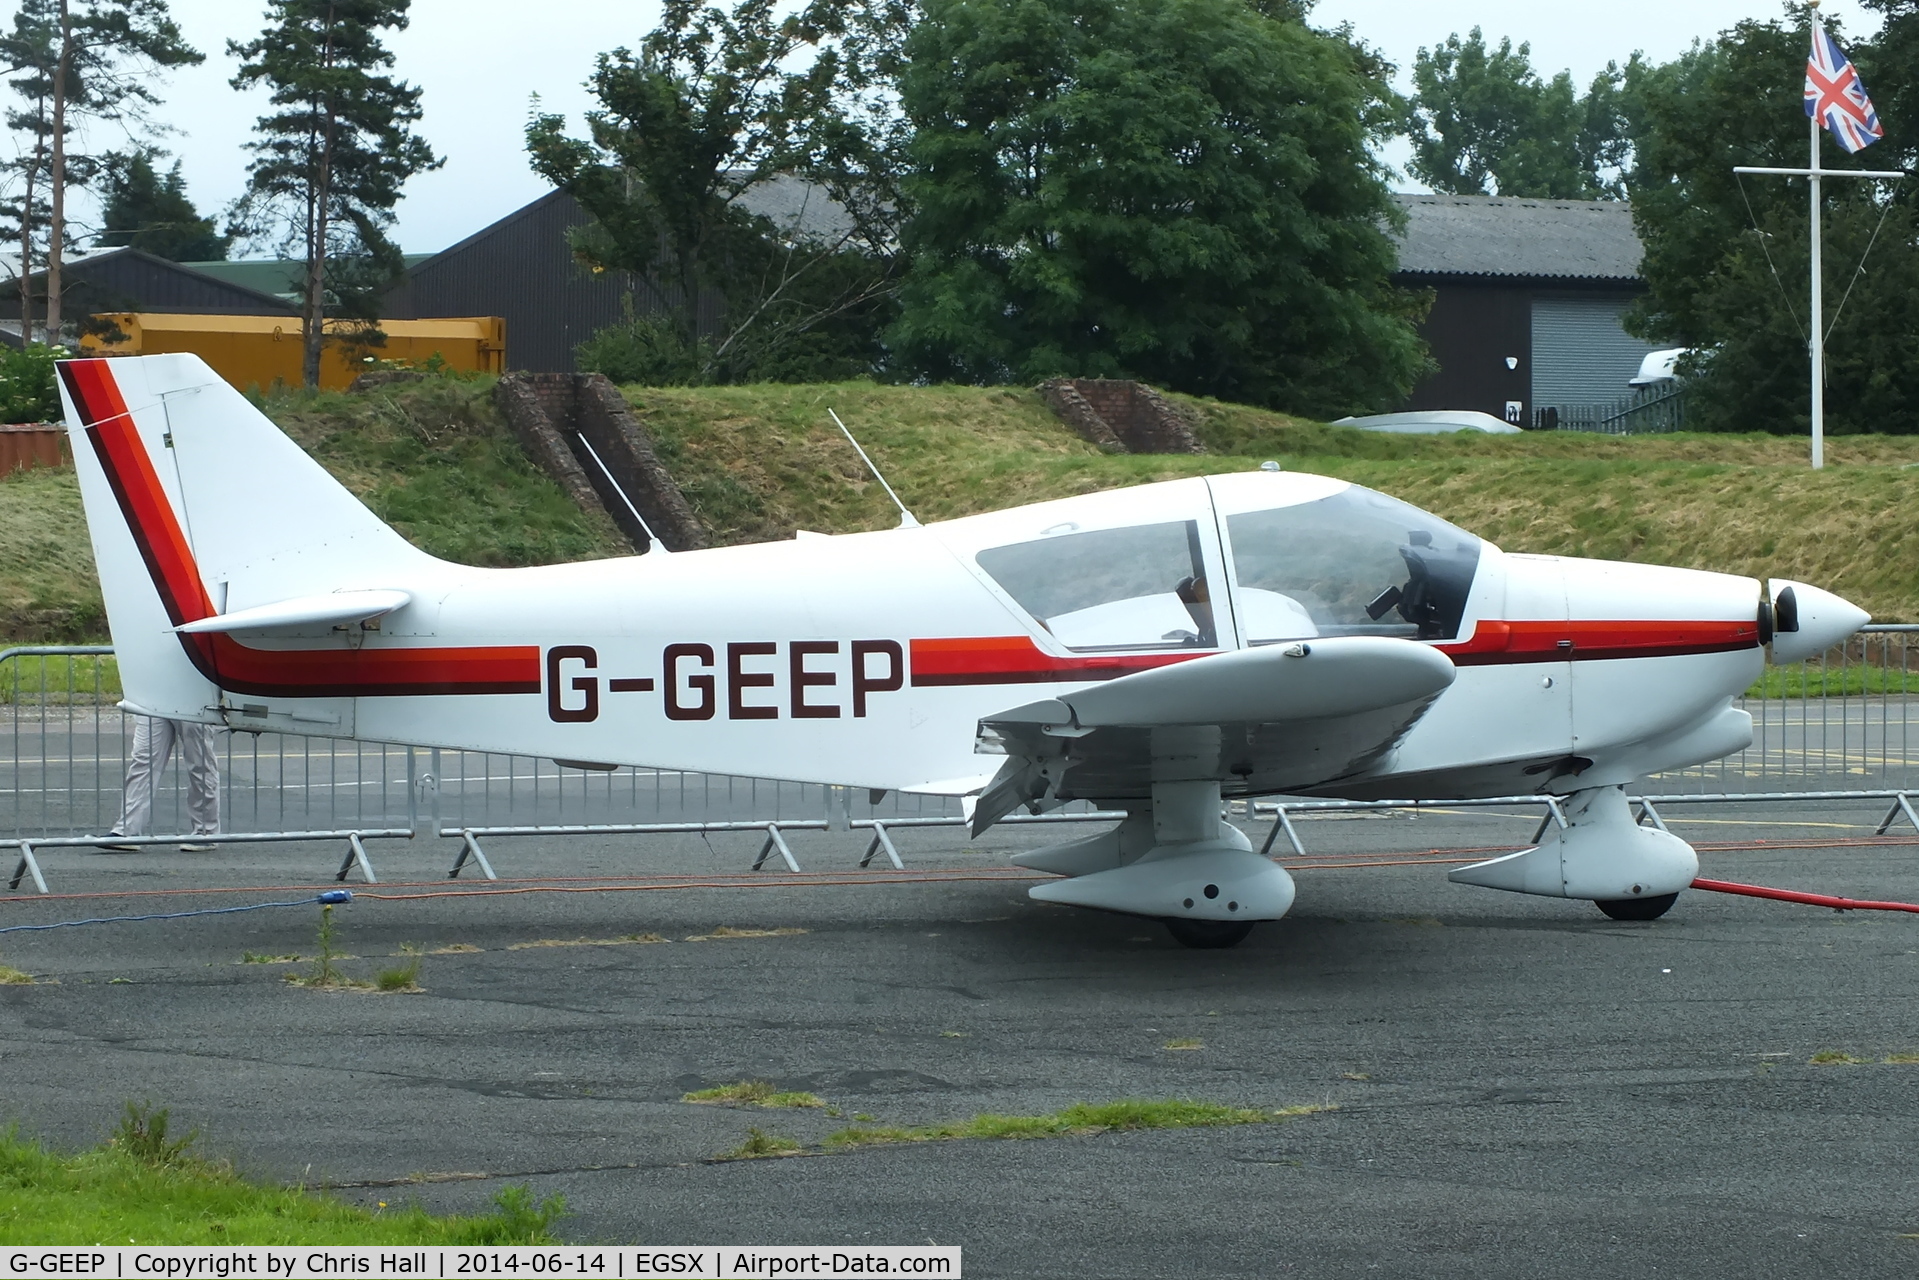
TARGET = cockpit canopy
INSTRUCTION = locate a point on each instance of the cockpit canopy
(1352, 563)
(1305, 556)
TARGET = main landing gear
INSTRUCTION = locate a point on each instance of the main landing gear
(1175, 861)
(1637, 908)
(1208, 935)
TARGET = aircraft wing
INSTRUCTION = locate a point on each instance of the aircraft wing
(1271, 719)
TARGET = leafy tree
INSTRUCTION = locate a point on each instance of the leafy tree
(1174, 190)
(329, 164)
(81, 61)
(150, 211)
(1483, 122)
(695, 138)
(1727, 259)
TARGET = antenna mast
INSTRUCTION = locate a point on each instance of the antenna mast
(906, 517)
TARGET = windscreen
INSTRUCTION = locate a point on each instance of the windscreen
(1138, 587)
(1355, 563)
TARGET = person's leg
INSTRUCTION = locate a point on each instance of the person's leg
(202, 766)
(136, 806)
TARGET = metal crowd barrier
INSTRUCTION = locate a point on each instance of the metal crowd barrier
(1837, 727)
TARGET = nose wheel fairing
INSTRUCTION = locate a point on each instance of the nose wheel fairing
(1600, 854)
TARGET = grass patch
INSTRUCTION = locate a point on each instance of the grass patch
(1128, 1115)
(12, 977)
(59, 680)
(753, 1093)
(625, 940)
(727, 931)
(762, 1146)
(1900, 1059)
(291, 957)
(403, 979)
(1833, 1057)
(145, 1185)
(1183, 1044)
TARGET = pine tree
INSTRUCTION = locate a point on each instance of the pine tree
(150, 211)
(329, 163)
(83, 62)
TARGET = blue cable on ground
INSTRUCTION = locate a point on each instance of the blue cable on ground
(332, 897)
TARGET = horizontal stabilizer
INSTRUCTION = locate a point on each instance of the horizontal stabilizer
(332, 609)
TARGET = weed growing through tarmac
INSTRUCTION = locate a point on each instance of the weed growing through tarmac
(455, 949)
(1079, 1120)
(1901, 1059)
(1834, 1058)
(1183, 1044)
(12, 977)
(327, 976)
(727, 931)
(624, 940)
(753, 1093)
(254, 957)
(761, 1146)
(402, 978)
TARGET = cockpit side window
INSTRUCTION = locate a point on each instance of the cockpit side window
(1355, 563)
(1137, 587)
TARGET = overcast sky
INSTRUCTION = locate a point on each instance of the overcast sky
(480, 61)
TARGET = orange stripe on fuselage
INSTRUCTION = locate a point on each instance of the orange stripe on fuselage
(300, 673)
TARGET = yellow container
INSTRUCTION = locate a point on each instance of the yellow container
(259, 351)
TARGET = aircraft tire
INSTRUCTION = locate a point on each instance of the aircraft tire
(1637, 908)
(1209, 935)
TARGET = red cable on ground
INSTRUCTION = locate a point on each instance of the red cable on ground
(1809, 899)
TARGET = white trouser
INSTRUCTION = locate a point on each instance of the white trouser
(153, 742)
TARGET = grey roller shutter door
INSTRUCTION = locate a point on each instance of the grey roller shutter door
(1581, 353)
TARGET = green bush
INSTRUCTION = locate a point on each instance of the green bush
(27, 392)
(647, 351)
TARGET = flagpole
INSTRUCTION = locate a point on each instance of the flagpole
(1818, 300)
(1813, 173)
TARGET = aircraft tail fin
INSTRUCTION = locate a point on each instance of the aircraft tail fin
(199, 506)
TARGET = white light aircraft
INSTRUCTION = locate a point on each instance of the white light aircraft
(1151, 649)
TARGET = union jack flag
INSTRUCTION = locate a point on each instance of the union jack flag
(1836, 96)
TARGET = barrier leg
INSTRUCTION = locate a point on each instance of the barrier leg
(1282, 821)
(356, 855)
(470, 851)
(29, 865)
(1899, 806)
(774, 840)
(881, 840)
(1647, 811)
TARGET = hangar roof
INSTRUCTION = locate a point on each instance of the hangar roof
(1514, 236)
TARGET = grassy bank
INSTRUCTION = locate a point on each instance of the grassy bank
(142, 1187)
(759, 462)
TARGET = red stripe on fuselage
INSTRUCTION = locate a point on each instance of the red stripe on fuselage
(296, 673)
(1505, 643)
(1018, 660)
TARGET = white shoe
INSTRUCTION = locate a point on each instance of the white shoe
(197, 846)
(119, 846)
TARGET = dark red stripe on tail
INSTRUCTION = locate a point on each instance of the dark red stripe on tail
(292, 673)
